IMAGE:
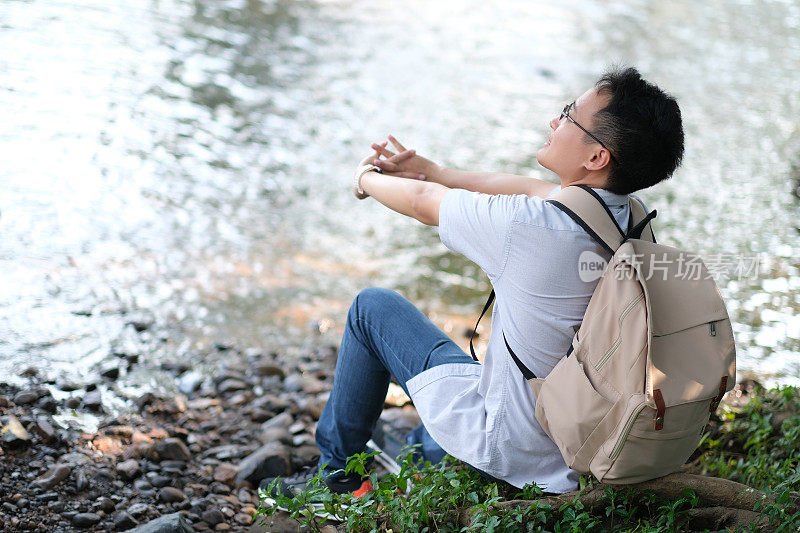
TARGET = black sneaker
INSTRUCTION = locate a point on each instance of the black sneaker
(294, 485)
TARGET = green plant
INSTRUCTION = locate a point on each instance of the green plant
(758, 445)
(750, 447)
(670, 513)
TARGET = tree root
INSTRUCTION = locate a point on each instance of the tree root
(711, 490)
(723, 503)
(721, 518)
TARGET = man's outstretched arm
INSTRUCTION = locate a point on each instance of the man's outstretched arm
(492, 182)
(410, 165)
(417, 199)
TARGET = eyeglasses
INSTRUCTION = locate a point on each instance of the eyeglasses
(565, 113)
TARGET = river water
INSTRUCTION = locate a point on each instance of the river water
(188, 164)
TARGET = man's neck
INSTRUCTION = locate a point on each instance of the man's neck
(595, 181)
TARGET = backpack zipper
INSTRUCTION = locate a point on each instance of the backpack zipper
(625, 431)
(617, 342)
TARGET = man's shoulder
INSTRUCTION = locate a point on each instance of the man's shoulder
(541, 213)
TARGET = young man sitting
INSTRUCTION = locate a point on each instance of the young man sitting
(620, 136)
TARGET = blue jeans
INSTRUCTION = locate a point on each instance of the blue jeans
(385, 335)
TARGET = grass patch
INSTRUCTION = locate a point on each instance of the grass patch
(757, 444)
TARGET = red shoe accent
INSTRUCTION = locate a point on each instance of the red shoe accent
(365, 488)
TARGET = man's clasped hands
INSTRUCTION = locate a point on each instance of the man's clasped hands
(403, 164)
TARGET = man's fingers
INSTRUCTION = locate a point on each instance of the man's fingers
(377, 148)
(381, 149)
(402, 156)
(397, 144)
(387, 166)
(393, 170)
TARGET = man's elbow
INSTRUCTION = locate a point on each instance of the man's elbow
(425, 202)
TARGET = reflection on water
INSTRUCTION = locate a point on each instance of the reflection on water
(189, 162)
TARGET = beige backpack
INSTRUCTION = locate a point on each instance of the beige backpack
(651, 360)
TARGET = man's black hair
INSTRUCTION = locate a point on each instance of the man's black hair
(641, 125)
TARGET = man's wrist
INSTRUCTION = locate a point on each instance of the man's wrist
(359, 173)
(439, 174)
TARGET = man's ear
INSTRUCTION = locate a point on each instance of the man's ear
(600, 159)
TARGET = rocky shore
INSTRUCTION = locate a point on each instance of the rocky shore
(190, 462)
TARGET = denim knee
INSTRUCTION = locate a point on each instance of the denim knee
(372, 297)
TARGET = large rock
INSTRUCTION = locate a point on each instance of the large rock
(232, 385)
(53, 477)
(270, 460)
(275, 434)
(305, 455)
(226, 473)
(190, 382)
(74, 459)
(173, 449)
(14, 435)
(81, 482)
(171, 495)
(93, 400)
(86, 520)
(277, 523)
(283, 420)
(48, 403)
(44, 427)
(142, 450)
(270, 369)
(25, 397)
(138, 509)
(170, 523)
(129, 469)
(110, 372)
(68, 386)
(212, 517)
(124, 521)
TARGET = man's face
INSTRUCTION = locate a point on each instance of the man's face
(566, 153)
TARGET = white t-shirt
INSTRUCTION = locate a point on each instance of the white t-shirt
(484, 414)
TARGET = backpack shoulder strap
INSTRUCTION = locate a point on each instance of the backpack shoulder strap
(589, 211)
(638, 214)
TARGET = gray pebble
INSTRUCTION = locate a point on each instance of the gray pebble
(283, 420)
(25, 397)
(212, 517)
(232, 385)
(53, 477)
(174, 449)
(190, 382)
(81, 482)
(73, 402)
(129, 469)
(171, 495)
(171, 523)
(93, 400)
(270, 460)
(138, 509)
(86, 519)
(124, 521)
